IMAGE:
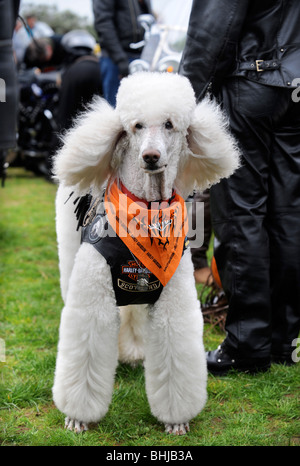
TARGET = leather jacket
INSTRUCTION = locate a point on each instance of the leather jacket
(117, 27)
(255, 39)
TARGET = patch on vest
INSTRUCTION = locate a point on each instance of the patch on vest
(97, 229)
(139, 278)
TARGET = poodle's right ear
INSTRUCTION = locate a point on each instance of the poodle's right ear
(212, 153)
(85, 156)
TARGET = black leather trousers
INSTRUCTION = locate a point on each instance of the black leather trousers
(256, 220)
(199, 255)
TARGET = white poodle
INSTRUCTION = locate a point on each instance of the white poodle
(158, 144)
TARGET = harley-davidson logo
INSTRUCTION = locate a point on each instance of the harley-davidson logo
(139, 276)
(132, 269)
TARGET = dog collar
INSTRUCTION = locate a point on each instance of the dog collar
(134, 198)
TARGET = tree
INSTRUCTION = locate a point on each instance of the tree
(60, 21)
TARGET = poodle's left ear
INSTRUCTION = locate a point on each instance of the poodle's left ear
(212, 151)
(85, 158)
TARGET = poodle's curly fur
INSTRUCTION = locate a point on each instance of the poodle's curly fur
(155, 113)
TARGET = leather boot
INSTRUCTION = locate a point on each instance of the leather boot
(222, 360)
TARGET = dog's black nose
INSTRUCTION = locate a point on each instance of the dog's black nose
(151, 156)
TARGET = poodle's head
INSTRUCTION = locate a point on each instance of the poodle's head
(151, 98)
(156, 139)
(155, 111)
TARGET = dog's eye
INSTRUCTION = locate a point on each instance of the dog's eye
(168, 125)
(138, 126)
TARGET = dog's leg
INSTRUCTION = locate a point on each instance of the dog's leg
(88, 345)
(175, 364)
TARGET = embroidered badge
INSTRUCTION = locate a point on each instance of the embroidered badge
(97, 228)
(139, 277)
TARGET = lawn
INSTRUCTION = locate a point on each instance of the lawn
(242, 410)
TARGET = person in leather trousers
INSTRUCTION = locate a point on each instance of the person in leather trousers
(248, 55)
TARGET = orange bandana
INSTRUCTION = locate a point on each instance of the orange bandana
(154, 232)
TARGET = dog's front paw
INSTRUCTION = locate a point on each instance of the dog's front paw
(74, 425)
(177, 429)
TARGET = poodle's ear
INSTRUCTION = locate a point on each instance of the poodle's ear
(85, 156)
(212, 151)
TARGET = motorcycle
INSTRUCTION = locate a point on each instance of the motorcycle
(39, 94)
(38, 103)
(162, 47)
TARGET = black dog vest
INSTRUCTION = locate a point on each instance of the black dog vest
(126, 270)
(133, 283)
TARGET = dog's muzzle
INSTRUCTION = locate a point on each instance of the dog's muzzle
(151, 158)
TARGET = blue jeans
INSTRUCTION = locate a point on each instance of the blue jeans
(110, 76)
(110, 79)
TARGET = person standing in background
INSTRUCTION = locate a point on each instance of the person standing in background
(23, 36)
(117, 27)
(248, 55)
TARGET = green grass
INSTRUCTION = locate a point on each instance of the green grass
(241, 409)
